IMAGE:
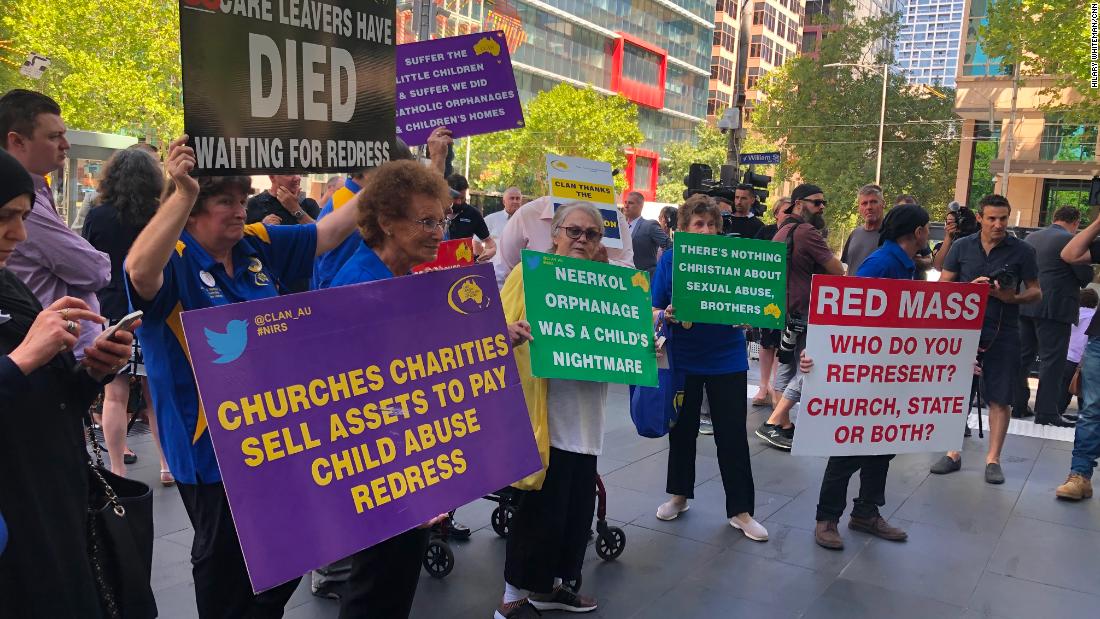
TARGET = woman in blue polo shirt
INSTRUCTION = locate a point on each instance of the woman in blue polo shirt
(401, 220)
(197, 252)
(713, 357)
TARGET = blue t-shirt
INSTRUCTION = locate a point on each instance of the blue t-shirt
(702, 348)
(363, 266)
(328, 264)
(888, 261)
(195, 280)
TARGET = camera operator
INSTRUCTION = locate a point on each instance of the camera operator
(1004, 262)
(807, 254)
(744, 222)
(960, 222)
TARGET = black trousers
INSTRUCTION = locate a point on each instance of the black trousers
(1065, 396)
(872, 486)
(550, 528)
(383, 578)
(1050, 340)
(728, 404)
(222, 588)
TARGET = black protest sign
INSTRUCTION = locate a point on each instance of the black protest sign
(288, 85)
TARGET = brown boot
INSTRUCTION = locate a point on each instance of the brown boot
(827, 536)
(878, 527)
(1077, 487)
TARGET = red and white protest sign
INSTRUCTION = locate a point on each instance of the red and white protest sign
(893, 365)
(452, 254)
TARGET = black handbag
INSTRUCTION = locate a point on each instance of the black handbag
(120, 540)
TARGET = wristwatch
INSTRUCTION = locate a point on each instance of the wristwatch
(298, 214)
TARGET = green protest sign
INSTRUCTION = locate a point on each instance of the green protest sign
(729, 281)
(590, 320)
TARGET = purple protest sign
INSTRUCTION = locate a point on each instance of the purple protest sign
(463, 83)
(343, 417)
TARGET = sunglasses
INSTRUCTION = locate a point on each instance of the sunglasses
(818, 202)
(575, 233)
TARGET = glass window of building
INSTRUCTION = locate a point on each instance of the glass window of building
(1067, 142)
(758, 13)
(809, 42)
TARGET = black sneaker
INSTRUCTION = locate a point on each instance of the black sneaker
(1057, 421)
(762, 431)
(564, 599)
(776, 436)
(519, 611)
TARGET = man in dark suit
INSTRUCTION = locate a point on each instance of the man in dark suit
(1045, 326)
(645, 234)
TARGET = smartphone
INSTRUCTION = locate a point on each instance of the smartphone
(126, 324)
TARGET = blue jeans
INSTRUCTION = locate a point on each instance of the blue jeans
(1086, 439)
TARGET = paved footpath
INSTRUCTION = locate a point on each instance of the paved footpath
(974, 550)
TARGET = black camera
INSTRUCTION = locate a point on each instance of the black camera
(1005, 278)
(700, 179)
(966, 223)
(788, 340)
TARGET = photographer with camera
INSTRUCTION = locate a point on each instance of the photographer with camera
(1004, 262)
(960, 222)
(807, 254)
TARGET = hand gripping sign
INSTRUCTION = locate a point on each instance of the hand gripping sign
(893, 365)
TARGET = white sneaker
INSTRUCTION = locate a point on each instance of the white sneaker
(706, 426)
(751, 528)
(670, 509)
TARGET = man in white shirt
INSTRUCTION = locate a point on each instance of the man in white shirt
(530, 228)
(513, 199)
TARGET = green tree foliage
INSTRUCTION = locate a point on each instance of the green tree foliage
(567, 121)
(709, 148)
(826, 120)
(1047, 37)
(115, 63)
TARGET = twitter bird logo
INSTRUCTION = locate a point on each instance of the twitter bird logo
(229, 345)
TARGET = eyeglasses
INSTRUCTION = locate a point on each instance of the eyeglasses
(818, 202)
(430, 224)
(575, 233)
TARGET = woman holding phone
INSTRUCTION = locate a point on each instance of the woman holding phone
(44, 396)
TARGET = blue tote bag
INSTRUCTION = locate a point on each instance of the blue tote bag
(654, 409)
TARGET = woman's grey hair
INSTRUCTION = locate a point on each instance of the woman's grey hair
(585, 207)
(780, 201)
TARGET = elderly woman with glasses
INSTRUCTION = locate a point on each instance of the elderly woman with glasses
(401, 216)
(549, 531)
(712, 358)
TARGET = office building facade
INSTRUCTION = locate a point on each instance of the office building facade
(1049, 161)
(775, 32)
(927, 50)
(655, 53)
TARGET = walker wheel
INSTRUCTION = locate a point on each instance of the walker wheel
(502, 519)
(439, 559)
(611, 545)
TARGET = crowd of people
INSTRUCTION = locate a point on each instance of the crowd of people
(160, 240)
